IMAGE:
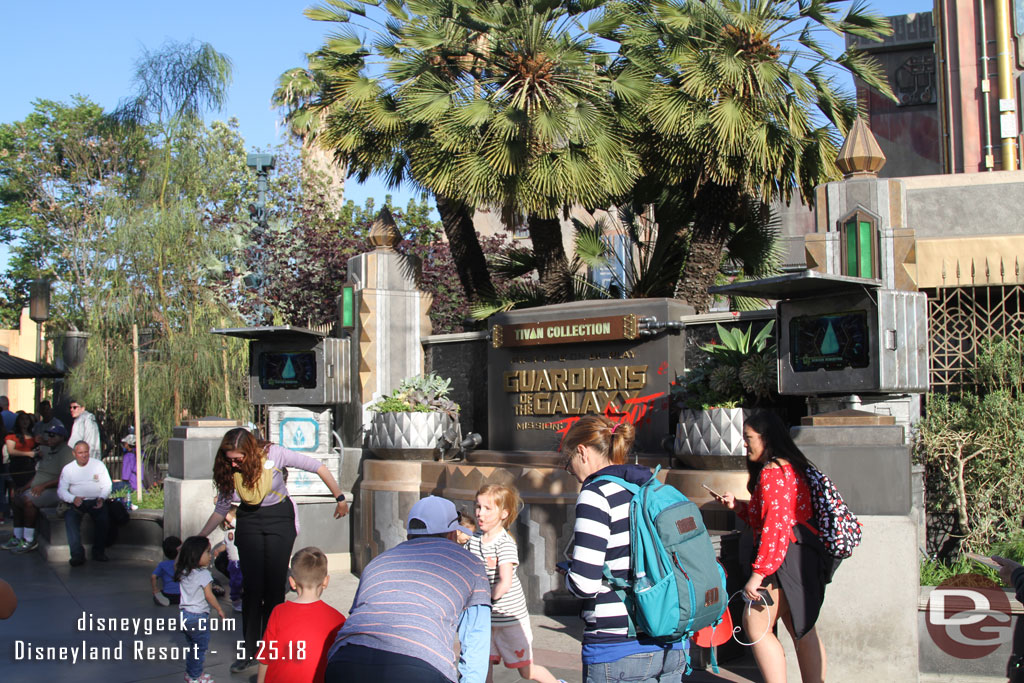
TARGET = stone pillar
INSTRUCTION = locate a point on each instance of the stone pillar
(869, 620)
(391, 320)
(189, 491)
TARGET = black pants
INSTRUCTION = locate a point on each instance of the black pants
(360, 663)
(264, 536)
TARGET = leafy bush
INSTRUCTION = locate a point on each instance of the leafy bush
(972, 449)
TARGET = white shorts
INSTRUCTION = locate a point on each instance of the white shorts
(512, 643)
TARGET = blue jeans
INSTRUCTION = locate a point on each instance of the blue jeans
(73, 526)
(665, 666)
(197, 632)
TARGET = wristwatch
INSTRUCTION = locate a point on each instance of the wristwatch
(340, 498)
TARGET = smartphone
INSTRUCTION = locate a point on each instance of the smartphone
(984, 559)
(714, 493)
(763, 592)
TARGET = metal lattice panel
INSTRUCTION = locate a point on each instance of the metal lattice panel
(959, 318)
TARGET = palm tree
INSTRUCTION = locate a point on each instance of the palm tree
(743, 106)
(483, 104)
(297, 89)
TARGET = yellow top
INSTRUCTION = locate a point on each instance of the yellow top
(255, 494)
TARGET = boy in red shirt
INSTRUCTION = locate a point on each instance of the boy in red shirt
(300, 632)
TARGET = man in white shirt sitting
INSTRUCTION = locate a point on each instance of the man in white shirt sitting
(84, 484)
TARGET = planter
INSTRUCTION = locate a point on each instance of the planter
(73, 347)
(711, 439)
(408, 436)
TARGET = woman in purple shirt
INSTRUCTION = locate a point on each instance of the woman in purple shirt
(249, 471)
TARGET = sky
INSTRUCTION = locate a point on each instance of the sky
(65, 47)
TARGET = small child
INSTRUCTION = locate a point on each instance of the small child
(192, 572)
(168, 593)
(231, 566)
(466, 520)
(511, 636)
(300, 632)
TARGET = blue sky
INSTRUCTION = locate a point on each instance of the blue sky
(63, 47)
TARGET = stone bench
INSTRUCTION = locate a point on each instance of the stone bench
(139, 539)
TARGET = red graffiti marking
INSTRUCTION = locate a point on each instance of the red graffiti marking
(634, 411)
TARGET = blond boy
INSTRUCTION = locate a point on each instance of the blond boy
(293, 646)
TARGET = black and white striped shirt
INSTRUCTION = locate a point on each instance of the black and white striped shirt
(600, 537)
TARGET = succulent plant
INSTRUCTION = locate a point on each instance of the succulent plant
(419, 394)
(740, 371)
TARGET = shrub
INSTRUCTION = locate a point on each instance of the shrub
(972, 449)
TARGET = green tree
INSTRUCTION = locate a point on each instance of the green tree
(743, 107)
(134, 214)
(485, 104)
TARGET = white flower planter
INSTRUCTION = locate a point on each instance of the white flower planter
(407, 436)
(711, 439)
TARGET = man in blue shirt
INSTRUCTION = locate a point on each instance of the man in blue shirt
(411, 602)
(6, 415)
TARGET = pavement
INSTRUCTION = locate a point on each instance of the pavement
(58, 606)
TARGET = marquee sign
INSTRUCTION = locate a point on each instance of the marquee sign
(607, 328)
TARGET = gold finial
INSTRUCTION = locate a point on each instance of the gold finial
(860, 155)
(384, 233)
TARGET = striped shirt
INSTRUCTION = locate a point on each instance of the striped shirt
(510, 607)
(601, 537)
(410, 600)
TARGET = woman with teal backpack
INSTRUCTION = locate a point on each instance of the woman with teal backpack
(791, 565)
(594, 447)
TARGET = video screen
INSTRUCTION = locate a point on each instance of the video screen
(833, 341)
(287, 369)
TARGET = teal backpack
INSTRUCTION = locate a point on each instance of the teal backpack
(676, 586)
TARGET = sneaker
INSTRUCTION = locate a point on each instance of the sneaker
(100, 557)
(76, 561)
(161, 599)
(205, 678)
(12, 543)
(26, 547)
(241, 665)
(236, 605)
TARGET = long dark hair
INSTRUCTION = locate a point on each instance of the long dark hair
(238, 439)
(777, 444)
(189, 555)
(20, 418)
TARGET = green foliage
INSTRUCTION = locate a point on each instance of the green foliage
(972, 448)
(133, 215)
(419, 394)
(934, 572)
(739, 371)
(152, 498)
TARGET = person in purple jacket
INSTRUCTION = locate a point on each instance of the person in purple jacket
(249, 471)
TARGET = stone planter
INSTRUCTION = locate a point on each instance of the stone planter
(408, 436)
(711, 439)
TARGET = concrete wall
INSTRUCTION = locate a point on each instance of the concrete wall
(463, 359)
(965, 205)
(21, 343)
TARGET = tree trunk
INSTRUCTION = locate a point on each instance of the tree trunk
(702, 265)
(464, 244)
(716, 207)
(552, 265)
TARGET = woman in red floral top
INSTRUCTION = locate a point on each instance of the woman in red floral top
(789, 568)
